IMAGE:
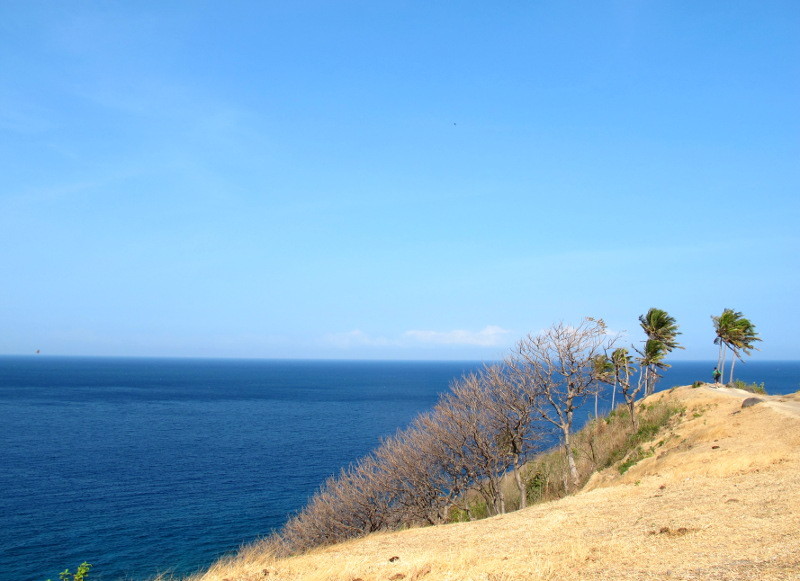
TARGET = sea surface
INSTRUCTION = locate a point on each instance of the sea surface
(146, 466)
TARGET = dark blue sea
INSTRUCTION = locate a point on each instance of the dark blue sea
(145, 466)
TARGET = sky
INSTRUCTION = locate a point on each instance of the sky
(394, 179)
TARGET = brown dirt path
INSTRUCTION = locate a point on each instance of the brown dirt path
(789, 404)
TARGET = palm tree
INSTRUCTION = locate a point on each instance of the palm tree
(734, 332)
(724, 326)
(658, 325)
(623, 369)
(603, 370)
(651, 358)
(661, 330)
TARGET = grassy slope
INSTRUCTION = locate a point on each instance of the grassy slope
(720, 500)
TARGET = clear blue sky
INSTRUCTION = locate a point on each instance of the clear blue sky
(393, 180)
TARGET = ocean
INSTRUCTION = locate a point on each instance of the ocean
(147, 466)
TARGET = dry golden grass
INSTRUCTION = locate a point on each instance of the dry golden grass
(719, 500)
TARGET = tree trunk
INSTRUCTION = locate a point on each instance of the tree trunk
(651, 380)
(733, 364)
(523, 493)
(634, 420)
(572, 468)
(614, 396)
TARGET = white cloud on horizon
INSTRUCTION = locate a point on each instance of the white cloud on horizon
(489, 336)
(356, 338)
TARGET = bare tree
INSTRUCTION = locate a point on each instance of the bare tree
(423, 476)
(511, 412)
(447, 449)
(483, 429)
(349, 505)
(462, 415)
(556, 367)
(476, 433)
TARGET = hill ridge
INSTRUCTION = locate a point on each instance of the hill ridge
(718, 500)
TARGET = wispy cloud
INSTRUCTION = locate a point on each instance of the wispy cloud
(489, 336)
(357, 338)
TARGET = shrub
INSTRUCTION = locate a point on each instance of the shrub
(623, 468)
(536, 486)
(751, 387)
(638, 454)
(600, 444)
(80, 574)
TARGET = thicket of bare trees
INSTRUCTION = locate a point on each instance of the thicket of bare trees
(472, 449)
(558, 369)
(444, 460)
(467, 455)
(459, 455)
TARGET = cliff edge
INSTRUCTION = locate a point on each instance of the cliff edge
(719, 499)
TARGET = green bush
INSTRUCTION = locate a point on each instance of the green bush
(638, 454)
(457, 514)
(646, 431)
(751, 387)
(80, 575)
(479, 510)
(600, 444)
(623, 468)
(536, 486)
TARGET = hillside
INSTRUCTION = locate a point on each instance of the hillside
(720, 500)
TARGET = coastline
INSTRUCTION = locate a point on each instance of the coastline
(720, 500)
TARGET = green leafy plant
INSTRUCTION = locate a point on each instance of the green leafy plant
(79, 575)
(536, 486)
(751, 387)
(635, 456)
